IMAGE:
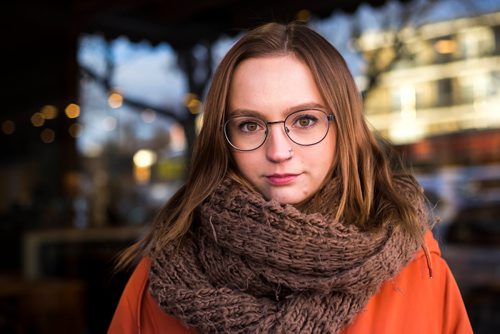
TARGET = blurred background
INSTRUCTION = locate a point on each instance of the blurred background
(102, 101)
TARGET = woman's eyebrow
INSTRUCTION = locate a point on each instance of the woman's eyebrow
(245, 112)
(307, 105)
(255, 113)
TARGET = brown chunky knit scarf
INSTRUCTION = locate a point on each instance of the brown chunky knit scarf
(254, 266)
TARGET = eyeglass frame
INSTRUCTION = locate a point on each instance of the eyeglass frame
(330, 117)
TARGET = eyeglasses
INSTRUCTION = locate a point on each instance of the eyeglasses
(304, 127)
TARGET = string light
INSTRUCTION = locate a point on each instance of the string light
(72, 110)
(37, 119)
(192, 102)
(47, 136)
(303, 15)
(115, 100)
(144, 158)
(198, 123)
(49, 111)
(8, 127)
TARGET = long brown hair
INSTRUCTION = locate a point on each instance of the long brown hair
(361, 162)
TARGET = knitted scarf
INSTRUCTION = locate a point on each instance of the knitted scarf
(254, 266)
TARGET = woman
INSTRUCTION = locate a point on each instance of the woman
(293, 219)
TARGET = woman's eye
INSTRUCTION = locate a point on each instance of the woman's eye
(305, 121)
(249, 126)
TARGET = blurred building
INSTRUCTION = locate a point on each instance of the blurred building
(434, 79)
(434, 91)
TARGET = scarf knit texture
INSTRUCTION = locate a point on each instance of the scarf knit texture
(249, 265)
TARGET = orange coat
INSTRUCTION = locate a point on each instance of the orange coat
(422, 298)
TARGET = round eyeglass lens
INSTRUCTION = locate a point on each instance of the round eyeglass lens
(303, 127)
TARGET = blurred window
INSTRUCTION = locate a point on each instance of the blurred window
(444, 92)
(445, 49)
(496, 32)
(477, 41)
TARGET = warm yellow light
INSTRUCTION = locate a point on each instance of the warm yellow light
(115, 100)
(303, 15)
(8, 127)
(194, 106)
(192, 103)
(198, 123)
(148, 116)
(37, 119)
(75, 130)
(142, 174)
(144, 158)
(445, 46)
(188, 97)
(72, 110)
(47, 136)
(49, 111)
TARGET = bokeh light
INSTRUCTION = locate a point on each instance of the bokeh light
(49, 111)
(37, 119)
(47, 136)
(8, 127)
(115, 100)
(72, 110)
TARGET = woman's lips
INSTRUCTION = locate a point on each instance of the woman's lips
(281, 179)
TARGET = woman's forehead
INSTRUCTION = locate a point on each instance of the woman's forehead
(282, 84)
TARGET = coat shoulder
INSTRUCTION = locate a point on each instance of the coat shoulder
(422, 298)
(138, 312)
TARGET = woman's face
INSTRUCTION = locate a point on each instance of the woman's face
(272, 88)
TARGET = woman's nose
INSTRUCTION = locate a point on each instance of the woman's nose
(278, 145)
